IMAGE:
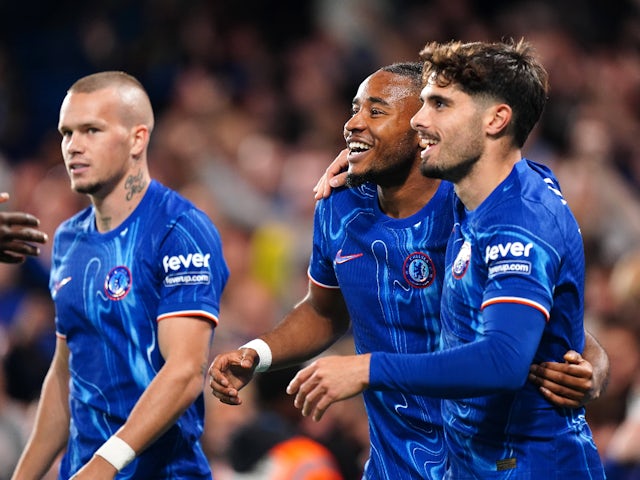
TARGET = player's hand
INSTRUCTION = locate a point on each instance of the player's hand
(334, 176)
(568, 384)
(230, 372)
(95, 469)
(329, 380)
(17, 233)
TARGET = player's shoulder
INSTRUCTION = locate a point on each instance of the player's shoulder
(542, 190)
(168, 215)
(347, 198)
(537, 180)
(531, 201)
(161, 196)
(170, 204)
(79, 222)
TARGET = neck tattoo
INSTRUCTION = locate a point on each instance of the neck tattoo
(134, 184)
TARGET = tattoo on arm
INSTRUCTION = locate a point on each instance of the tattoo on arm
(134, 184)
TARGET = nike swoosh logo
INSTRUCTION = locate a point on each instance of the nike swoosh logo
(345, 258)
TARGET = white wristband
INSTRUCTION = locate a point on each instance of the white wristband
(264, 353)
(117, 452)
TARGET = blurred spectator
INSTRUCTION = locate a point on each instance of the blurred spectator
(605, 204)
(606, 413)
(272, 446)
(345, 426)
(248, 115)
(622, 455)
(13, 430)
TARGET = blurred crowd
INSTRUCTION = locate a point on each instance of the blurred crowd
(250, 99)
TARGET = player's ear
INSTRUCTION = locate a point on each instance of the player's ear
(498, 118)
(140, 140)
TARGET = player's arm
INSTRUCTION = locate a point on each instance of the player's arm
(184, 343)
(577, 381)
(498, 361)
(315, 323)
(18, 232)
(51, 428)
(334, 176)
(312, 325)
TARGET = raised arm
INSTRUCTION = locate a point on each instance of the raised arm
(576, 382)
(314, 323)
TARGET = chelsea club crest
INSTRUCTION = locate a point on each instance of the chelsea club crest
(118, 283)
(418, 270)
(461, 263)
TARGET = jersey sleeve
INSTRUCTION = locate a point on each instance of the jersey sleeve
(193, 270)
(498, 361)
(321, 269)
(522, 267)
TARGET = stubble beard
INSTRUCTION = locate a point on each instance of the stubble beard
(356, 179)
(453, 167)
(453, 173)
(88, 189)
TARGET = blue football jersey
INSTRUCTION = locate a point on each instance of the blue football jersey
(390, 272)
(110, 291)
(521, 245)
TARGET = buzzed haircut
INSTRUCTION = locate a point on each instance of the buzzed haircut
(134, 95)
(100, 80)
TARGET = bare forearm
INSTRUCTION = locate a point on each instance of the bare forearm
(184, 344)
(301, 335)
(163, 402)
(313, 324)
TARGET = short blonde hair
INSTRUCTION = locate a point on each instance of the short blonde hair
(135, 99)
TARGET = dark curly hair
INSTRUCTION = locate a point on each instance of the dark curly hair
(506, 71)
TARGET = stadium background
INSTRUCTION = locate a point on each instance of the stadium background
(250, 99)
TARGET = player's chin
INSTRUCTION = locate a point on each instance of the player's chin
(85, 188)
(356, 177)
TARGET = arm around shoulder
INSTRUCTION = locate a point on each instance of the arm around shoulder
(578, 380)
